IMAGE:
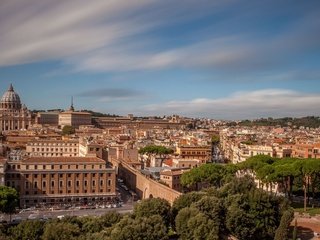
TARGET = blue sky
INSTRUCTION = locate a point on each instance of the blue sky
(218, 59)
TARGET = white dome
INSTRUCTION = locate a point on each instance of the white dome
(10, 99)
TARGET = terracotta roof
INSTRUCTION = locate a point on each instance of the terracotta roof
(171, 173)
(168, 162)
(63, 159)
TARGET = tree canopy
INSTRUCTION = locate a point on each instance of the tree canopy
(153, 149)
(67, 130)
(8, 199)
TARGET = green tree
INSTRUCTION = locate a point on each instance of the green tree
(207, 175)
(153, 206)
(27, 230)
(213, 209)
(8, 200)
(151, 228)
(184, 201)
(282, 230)
(215, 139)
(68, 130)
(60, 230)
(193, 224)
(157, 150)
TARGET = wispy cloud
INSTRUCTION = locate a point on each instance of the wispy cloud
(112, 94)
(113, 36)
(241, 105)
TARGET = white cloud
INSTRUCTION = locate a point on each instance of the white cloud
(102, 35)
(241, 105)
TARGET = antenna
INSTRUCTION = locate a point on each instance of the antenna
(71, 107)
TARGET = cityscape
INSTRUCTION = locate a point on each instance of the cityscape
(159, 120)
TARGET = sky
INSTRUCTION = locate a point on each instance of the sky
(230, 59)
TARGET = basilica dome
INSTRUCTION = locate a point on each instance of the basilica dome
(10, 99)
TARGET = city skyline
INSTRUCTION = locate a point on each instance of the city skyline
(222, 60)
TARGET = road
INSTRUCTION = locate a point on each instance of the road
(126, 207)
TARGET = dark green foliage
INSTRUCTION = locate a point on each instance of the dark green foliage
(254, 215)
(213, 208)
(27, 230)
(193, 224)
(59, 230)
(282, 230)
(154, 206)
(153, 149)
(8, 199)
(94, 225)
(67, 130)
(311, 121)
(215, 139)
(184, 201)
(207, 174)
(151, 228)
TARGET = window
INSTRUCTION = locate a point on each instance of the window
(93, 175)
(85, 183)
(60, 183)
(109, 182)
(78, 183)
(44, 184)
(69, 175)
(69, 183)
(93, 183)
(52, 183)
(52, 166)
(68, 166)
(35, 166)
(44, 175)
(60, 166)
(35, 175)
(27, 167)
(101, 182)
(35, 184)
(27, 175)
(27, 185)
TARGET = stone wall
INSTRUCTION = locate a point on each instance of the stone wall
(144, 186)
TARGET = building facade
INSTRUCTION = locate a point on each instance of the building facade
(54, 180)
(52, 148)
(13, 115)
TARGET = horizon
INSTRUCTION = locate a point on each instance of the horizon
(208, 59)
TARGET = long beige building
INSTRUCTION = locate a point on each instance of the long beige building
(43, 180)
(52, 148)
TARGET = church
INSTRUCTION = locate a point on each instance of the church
(13, 115)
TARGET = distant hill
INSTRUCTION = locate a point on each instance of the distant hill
(310, 121)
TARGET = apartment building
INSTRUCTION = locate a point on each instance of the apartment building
(306, 150)
(52, 180)
(52, 148)
(202, 153)
(171, 177)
